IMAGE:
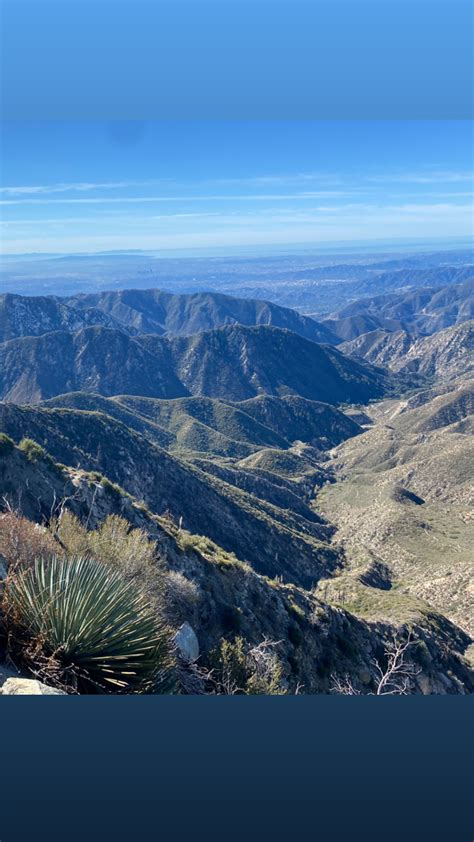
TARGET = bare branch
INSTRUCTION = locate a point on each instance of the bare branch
(343, 686)
(394, 679)
(397, 677)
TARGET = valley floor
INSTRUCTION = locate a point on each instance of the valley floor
(402, 504)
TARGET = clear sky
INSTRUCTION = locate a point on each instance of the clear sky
(84, 187)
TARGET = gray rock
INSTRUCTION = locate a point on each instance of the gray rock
(3, 568)
(187, 643)
(424, 684)
(28, 687)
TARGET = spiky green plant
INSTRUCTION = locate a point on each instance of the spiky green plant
(92, 622)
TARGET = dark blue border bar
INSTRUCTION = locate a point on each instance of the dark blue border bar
(303, 769)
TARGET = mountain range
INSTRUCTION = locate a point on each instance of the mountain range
(308, 483)
(233, 363)
(147, 312)
(222, 428)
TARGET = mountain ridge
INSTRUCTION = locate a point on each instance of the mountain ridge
(446, 354)
(148, 311)
(234, 363)
(421, 311)
(273, 539)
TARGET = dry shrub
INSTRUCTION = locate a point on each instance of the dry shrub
(128, 551)
(182, 596)
(72, 535)
(22, 541)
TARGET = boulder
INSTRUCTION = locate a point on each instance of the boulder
(424, 684)
(28, 687)
(187, 643)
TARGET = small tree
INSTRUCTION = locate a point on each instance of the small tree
(253, 671)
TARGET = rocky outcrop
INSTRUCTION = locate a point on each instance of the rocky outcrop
(28, 687)
(446, 355)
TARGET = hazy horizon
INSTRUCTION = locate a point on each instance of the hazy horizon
(323, 249)
(216, 186)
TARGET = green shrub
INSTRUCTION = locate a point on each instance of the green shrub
(32, 450)
(72, 535)
(181, 596)
(86, 625)
(297, 612)
(112, 488)
(6, 444)
(232, 663)
(240, 669)
(209, 550)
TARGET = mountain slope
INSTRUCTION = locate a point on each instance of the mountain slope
(218, 595)
(157, 312)
(299, 419)
(274, 540)
(148, 311)
(233, 363)
(447, 354)
(188, 419)
(420, 311)
(453, 409)
(237, 363)
(183, 424)
(95, 359)
(349, 327)
(34, 316)
(221, 428)
(379, 347)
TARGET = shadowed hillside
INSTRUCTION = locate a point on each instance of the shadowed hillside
(232, 363)
(275, 540)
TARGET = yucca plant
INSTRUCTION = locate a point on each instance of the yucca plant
(88, 620)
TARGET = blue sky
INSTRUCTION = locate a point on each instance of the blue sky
(85, 187)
